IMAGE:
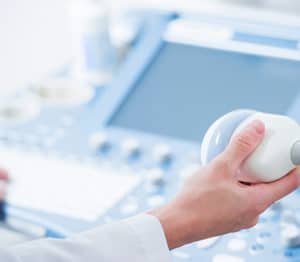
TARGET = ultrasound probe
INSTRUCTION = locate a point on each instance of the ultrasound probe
(276, 156)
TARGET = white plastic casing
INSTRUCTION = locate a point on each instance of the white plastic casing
(272, 158)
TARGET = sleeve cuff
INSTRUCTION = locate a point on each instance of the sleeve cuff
(140, 238)
(151, 236)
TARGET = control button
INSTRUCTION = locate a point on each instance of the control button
(156, 201)
(129, 208)
(151, 189)
(236, 245)
(259, 226)
(186, 172)
(227, 258)
(99, 141)
(181, 255)
(207, 243)
(156, 177)
(131, 147)
(277, 207)
(19, 110)
(64, 91)
(162, 153)
(288, 253)
(256, 248)
(266, 216)
(241, 234)
(290, 235)
(288, 217)
(263, 237)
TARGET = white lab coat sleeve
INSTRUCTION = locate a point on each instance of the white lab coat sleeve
(137, 239)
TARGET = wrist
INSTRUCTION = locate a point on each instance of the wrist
(174, 224)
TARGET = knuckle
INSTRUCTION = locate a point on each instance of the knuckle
(221, 168)
(221, 165)
(244, 142)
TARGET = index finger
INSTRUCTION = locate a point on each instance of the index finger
(270, 193)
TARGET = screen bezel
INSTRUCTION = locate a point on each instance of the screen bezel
(150, 47)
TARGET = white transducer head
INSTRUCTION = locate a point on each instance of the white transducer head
(276, 156)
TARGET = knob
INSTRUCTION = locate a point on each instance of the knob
(207, 243)
(99, 141)
(288, 217)
(64, 91)
(181, 255)
(290, 235)
(156, 177)
(130, 147)
(162, 153)
(14, 111)
(236, 245)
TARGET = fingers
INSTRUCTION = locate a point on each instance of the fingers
(244, 143)
(270, 193)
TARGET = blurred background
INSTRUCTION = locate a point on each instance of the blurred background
(36, 34)
(43, 41)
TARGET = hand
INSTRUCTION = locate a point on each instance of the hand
(213, 202)
(3, 182)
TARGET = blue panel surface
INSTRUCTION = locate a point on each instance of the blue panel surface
(188, 87)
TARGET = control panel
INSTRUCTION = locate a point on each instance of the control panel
(85, 156)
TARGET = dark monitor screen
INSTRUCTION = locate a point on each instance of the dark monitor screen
(187, 87)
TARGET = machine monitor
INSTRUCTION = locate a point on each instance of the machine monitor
(186, 87)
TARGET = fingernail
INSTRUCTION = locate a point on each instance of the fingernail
(258, 126)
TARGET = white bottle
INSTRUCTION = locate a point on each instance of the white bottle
(94, 57)
(276, 156)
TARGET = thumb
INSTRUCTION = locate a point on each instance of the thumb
(244, 143)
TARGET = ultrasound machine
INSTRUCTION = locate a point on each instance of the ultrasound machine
(132, 145)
